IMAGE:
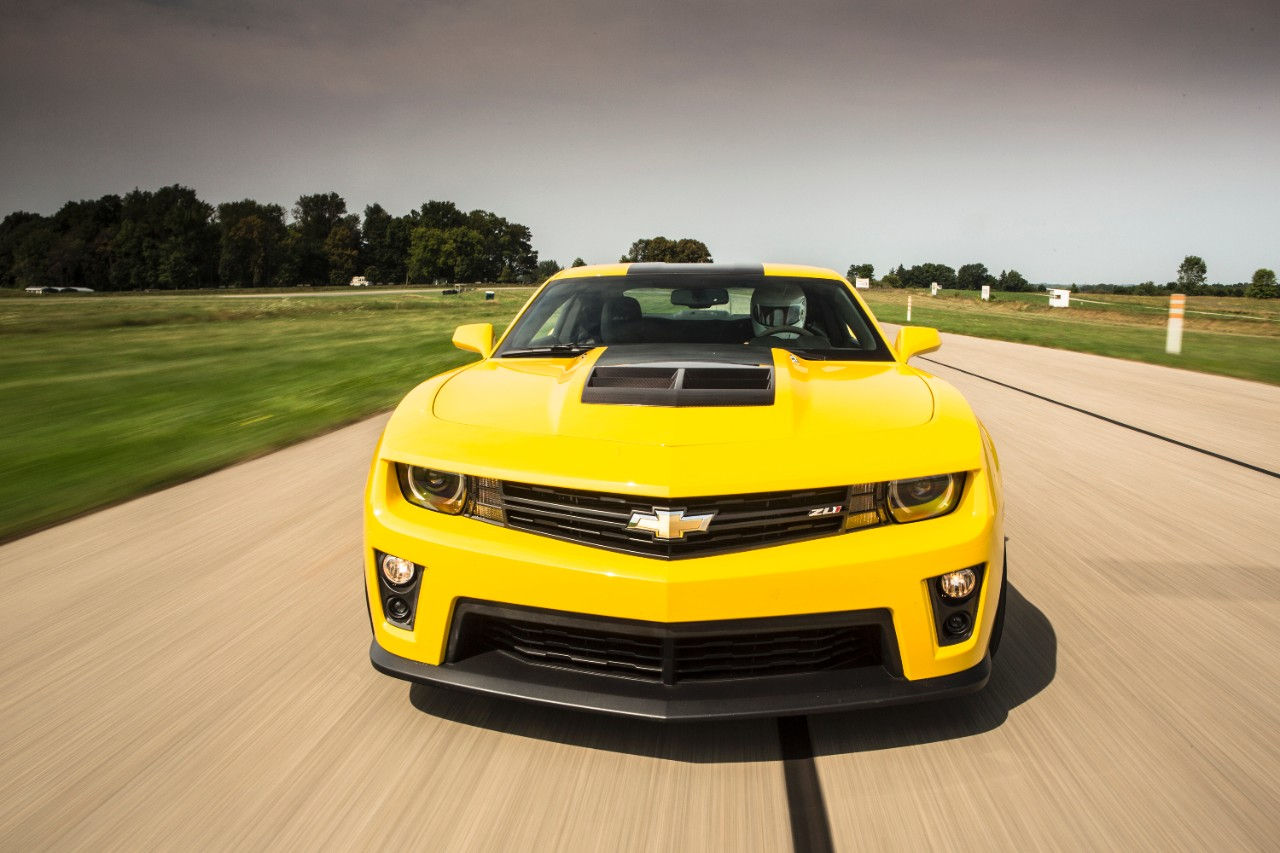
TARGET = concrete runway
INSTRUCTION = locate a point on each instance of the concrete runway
(189, 670)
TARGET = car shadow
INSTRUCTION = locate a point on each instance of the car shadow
(1026, 665)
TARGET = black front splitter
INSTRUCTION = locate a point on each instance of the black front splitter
(496, 674)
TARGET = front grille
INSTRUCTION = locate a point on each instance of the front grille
(739, 522)
(668, 655)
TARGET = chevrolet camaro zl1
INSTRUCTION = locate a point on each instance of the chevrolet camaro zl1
(688, 491)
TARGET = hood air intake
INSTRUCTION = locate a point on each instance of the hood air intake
(680, 385)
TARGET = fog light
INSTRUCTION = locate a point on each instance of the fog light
(397, 570)
(957, 585)
(397, 608)
(958, 624)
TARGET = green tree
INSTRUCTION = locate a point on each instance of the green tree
(80, 255)
(14, 229)
(251, 243)
(395, 260)
(686, 250)
(578, 262)
(506, 252)
(445, 254)
(891, 279)
(31, 267)
(861, 271)
(1263, 285)
(923, 275)
(1191, 273)
(250, 253)
(1013, 281)
(546, 269)
(342, 250)
(441, 215)
(973, 277)
(166, 239)
(377, 255)
(314, 216)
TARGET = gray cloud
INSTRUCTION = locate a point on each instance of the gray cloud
(1076, 141)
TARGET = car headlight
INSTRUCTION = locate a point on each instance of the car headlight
(441, 491)
(924, 497)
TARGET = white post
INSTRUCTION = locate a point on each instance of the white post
(1173, 337)
(908, 307)
(933, 289)
(986, 293)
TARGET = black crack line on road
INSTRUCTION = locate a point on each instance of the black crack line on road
(1136, 429)
(810, 829)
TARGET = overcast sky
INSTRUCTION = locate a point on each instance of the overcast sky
(1073, 140)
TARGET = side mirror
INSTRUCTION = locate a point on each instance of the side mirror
(916, 340)
(477, 337)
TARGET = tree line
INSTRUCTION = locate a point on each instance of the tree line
(170, 239)
(1191, 280)
(968, 277)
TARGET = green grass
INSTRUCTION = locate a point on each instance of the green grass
(1246, 348)
(105, 398)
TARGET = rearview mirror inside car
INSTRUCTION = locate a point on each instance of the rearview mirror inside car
(702, 297)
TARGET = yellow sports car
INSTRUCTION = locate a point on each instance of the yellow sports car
(688, 491)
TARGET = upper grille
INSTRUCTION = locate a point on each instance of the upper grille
(740, 522)
(658, 654)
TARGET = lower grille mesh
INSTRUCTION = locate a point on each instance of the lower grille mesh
(624, 649)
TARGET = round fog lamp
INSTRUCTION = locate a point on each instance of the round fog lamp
(397, 570)
(957, 584)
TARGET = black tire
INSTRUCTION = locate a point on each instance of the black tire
(997, 628)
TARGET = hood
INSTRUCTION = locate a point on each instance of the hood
(829, 423)
(808, 401)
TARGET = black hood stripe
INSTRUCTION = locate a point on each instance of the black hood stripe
(699, 270)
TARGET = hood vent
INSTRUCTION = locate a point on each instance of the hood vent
(680, 385)
(634, 377)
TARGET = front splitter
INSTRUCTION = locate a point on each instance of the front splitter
(496, 674)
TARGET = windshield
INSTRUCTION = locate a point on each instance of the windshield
(812, 317)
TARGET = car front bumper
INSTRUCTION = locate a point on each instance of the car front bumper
(886, 570)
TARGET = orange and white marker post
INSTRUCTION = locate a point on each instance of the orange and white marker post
(908, 307)
(1173, 337)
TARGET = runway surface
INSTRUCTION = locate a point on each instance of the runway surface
(189, 670)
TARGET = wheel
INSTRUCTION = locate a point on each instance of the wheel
(997, 627)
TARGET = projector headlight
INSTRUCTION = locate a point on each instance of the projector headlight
(924, 497)
(432, 489)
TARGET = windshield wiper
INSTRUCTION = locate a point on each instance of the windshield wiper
(552, 350)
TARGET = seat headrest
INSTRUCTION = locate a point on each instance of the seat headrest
(620, 309)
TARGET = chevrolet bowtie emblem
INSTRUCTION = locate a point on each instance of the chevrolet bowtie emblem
(669, 524)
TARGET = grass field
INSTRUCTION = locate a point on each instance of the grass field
(1232, 337)
(106, 397)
